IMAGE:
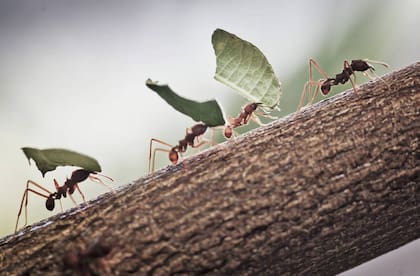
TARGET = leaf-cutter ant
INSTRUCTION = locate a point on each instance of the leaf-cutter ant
(325, 84)
(69, 186)
(80, 259)
(192, 138)
(248, 113)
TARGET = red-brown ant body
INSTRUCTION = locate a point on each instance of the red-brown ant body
(191, 139)
(82, 259)
(242, 119)
(248, 113)
(69, 186)
(349, 69)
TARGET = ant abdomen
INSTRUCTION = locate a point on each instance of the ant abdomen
(50, 204)
(325, 88)
(173, 156)
(228, 131)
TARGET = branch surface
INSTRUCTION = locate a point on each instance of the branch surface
(317, 192)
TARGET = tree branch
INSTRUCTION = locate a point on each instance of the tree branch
(319, 191)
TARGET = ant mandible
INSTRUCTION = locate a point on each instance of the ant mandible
(349, 69)
(191, 139)
(70, 185)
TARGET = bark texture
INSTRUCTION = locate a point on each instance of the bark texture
(317, 192)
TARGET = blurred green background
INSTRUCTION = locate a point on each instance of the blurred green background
(72, 74)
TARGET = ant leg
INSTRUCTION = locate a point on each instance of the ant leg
(265, 115)
(366, 74)
(83, 198)
(305, 92)
(80, 192)
(61, 205)
(213, 132)
(316, 91)
(376, 62)
(25, 199)
(235, 134)
(352, 81)
(152, 155)
(302, 96)
(257, 120)
(72, 199)
(320, 70)
(98, 180)
(107, 177)
(311, 83)
(200, 143)
(230, 119)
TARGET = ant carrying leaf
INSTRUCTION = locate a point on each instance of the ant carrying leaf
(244, 68)
(209, 114)
(348, 74)
(47, 160)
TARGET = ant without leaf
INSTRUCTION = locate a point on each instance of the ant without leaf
(80, 259)
(358, 65)
(69, 187)
(248, 113)
(191, 139)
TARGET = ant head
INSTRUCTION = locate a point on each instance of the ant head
(173, 156)
(228, 131)
(326, 87)
(255, 105)
(49, 203)
(249, 108)
(199, 129)
(361, 65)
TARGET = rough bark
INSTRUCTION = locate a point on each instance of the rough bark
(319, 191)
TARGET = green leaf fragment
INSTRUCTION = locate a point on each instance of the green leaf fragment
(243, 67)
(209, 112)
(49, 159)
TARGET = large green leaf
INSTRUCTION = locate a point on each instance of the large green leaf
(243, 67)
(48, 159)
(210, 112)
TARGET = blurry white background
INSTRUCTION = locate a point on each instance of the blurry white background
(72, 75)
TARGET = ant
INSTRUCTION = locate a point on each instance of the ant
(248, 113)
(349, 69)
(79, 259)
(70, 185)
(191, 139)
